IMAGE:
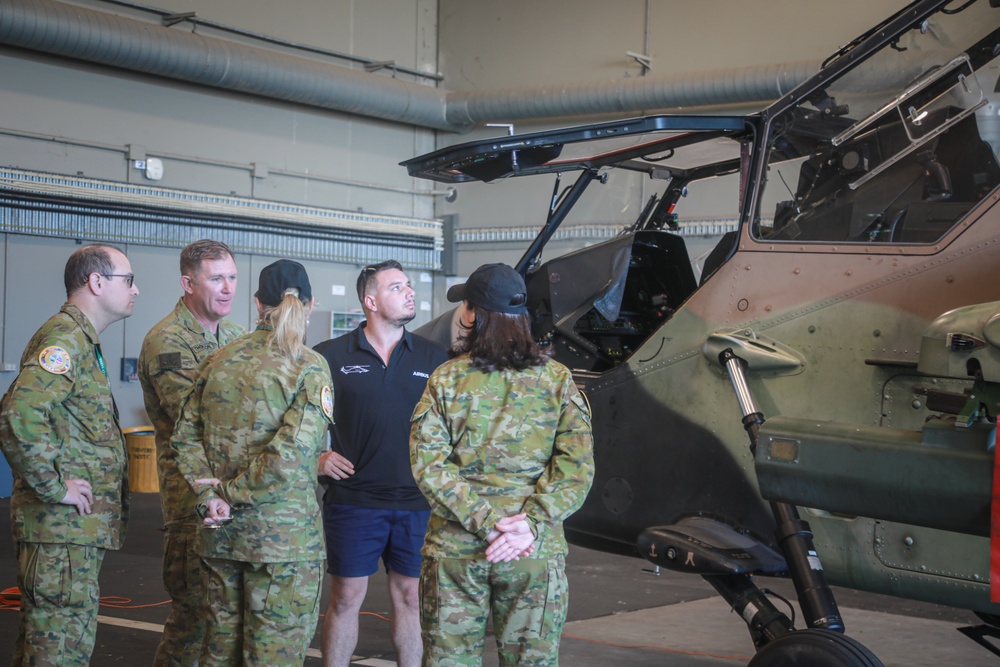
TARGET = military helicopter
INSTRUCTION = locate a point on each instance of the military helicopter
(821, 402)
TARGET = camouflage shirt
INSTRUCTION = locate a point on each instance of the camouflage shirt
(58, 421)
(488, 445)
(258, 422)
(168, 365)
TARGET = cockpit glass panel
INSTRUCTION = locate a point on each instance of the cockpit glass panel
(896, 151)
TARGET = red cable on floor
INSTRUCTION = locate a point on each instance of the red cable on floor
(10, 598)
(117, 602)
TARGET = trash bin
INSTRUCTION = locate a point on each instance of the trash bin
(140, 443)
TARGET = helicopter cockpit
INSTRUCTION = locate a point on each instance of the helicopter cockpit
(629, 284)
(904, 172)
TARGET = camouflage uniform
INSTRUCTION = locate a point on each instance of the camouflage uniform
(58, 421)
(258, 422)
(485, 446)
(168, 365)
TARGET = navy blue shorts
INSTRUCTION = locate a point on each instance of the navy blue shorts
(357, 537)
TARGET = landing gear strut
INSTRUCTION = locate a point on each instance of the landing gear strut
(823, 644)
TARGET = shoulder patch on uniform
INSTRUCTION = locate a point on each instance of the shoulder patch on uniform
(326, 399)
(54, 359)
(169, 361)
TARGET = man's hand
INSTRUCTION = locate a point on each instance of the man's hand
(334, 465)
(510, 539)
(78, 494)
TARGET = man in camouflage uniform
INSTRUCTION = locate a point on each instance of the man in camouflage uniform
(60, 434)
(501, 445)
(248, 440)
(168, 365)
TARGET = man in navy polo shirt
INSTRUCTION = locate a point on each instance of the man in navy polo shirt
(372, 508)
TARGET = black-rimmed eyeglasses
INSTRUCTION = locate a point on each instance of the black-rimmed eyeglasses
(129, 277)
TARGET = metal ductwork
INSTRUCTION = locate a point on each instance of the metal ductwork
(97, 37)
(84, 34)
(638, 94)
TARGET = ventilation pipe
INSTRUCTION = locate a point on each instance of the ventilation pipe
(88, 35)
(637, 94)
(97, 37)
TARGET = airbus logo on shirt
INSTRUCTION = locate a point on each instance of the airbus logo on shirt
(347, 370)
(420, 375)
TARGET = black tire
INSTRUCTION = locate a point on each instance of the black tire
(814, 648)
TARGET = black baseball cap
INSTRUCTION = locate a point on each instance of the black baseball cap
(494, 287)
(277, 277)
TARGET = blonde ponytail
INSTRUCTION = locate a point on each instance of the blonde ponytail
(288, 324)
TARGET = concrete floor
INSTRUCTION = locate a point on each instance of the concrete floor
(620, 614)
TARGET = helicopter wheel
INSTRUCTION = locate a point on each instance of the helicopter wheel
(814, 648)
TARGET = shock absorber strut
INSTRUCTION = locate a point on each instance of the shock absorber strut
(793, 533)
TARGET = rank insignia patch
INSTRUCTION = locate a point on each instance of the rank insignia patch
(169, 361)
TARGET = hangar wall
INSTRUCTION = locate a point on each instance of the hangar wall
(73, 117)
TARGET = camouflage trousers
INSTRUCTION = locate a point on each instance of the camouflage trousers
(528, 599)
(59, 600)
(184, 629)
(261, 613)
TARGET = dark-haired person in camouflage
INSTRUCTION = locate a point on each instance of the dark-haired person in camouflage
(501, 446)
(248, 441)
(168, 364)
(60, 433)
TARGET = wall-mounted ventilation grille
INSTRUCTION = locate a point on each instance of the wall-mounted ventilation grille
(76, 207)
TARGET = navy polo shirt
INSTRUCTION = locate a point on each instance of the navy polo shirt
(372, 406)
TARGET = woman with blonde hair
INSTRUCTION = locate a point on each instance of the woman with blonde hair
(248, 440)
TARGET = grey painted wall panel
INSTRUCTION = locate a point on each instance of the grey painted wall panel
(56, 157)
(520, 43)
(525, 42)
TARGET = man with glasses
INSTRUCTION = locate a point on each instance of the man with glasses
(168, 364)
(60, 434)
(372, 508)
